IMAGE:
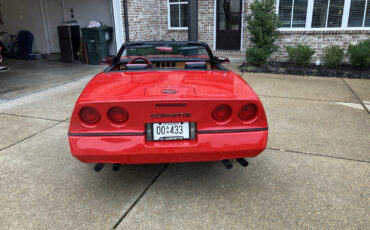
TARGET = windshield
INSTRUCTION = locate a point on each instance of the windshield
(166, 50)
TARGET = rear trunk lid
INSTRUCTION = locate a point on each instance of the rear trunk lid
(172, 84)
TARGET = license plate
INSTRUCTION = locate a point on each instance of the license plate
(171, 131)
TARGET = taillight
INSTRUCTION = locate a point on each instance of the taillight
(118, 115)
(221, 112)
(89, 115)
(248, 112)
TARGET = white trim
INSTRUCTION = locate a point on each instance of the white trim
(178, 28)
(327, 14)
(363, 20)
(214, 24)
(169, 16)
(291, 15)
(345, 16)
(309, 14)
(118, 25)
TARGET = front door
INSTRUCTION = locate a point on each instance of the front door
(228, 26)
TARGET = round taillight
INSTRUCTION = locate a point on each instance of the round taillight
(89, 115)
(118, 115)
(248, 112)
(221, 112)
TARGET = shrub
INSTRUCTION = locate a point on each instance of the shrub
(333, 56)
(359, 54)
(263, 24)
(299, 55)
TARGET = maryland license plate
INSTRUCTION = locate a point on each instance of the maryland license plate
(171, 131)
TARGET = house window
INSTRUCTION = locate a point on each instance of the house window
(327, 13)
(321, 14)
(177, 14)
(359, 14)
(293, 13)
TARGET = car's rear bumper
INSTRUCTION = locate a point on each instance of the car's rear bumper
(135, 149)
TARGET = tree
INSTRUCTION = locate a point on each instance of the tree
(263, 24)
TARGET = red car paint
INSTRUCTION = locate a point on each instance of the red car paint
(140, 93)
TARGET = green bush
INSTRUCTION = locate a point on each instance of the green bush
(257, 56)
(263, 24)
(359, 54)
(333, 56)
(299, 55)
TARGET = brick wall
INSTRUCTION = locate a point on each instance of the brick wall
(148, 21)
(143, 19)
(205, 21)
(318, 40)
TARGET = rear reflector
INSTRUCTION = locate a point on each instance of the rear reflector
(221, 112)
(118, 115)
(248, 112)
(89, 115)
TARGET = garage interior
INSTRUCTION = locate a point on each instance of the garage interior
(45, 68)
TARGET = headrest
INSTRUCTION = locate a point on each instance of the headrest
(195, 65)
(136, 66)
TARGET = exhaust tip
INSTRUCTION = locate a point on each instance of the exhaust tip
(116, 167)
(227, 164)
(242, 162)
(98, 167)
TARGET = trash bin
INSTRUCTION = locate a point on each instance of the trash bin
(97, 43)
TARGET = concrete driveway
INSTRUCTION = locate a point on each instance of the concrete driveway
(29, 76)
(315, 172)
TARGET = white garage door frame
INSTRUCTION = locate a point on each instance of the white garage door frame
(118, 25)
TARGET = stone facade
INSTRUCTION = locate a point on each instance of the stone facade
(148, 20)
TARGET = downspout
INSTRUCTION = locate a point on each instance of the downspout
(192, 20)
(126, 20)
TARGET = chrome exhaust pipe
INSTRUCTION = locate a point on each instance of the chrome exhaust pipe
(98, 167)
(242, 162)
(227, 164)
(116, 167)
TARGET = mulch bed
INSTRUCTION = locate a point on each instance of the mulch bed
(311, 70)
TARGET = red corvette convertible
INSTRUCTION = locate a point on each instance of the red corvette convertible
(162, 102)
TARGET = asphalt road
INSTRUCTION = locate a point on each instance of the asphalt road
(315, 173)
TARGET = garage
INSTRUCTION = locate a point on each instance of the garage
(45, 67)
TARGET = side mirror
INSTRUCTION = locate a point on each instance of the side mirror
(108, 60)
(223, 60)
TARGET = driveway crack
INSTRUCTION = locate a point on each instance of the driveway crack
(316, 154)
(353, 92)
(40, 118)
(140, 196)
(26, 138)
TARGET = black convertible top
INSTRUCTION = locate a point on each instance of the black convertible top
(140, 43)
